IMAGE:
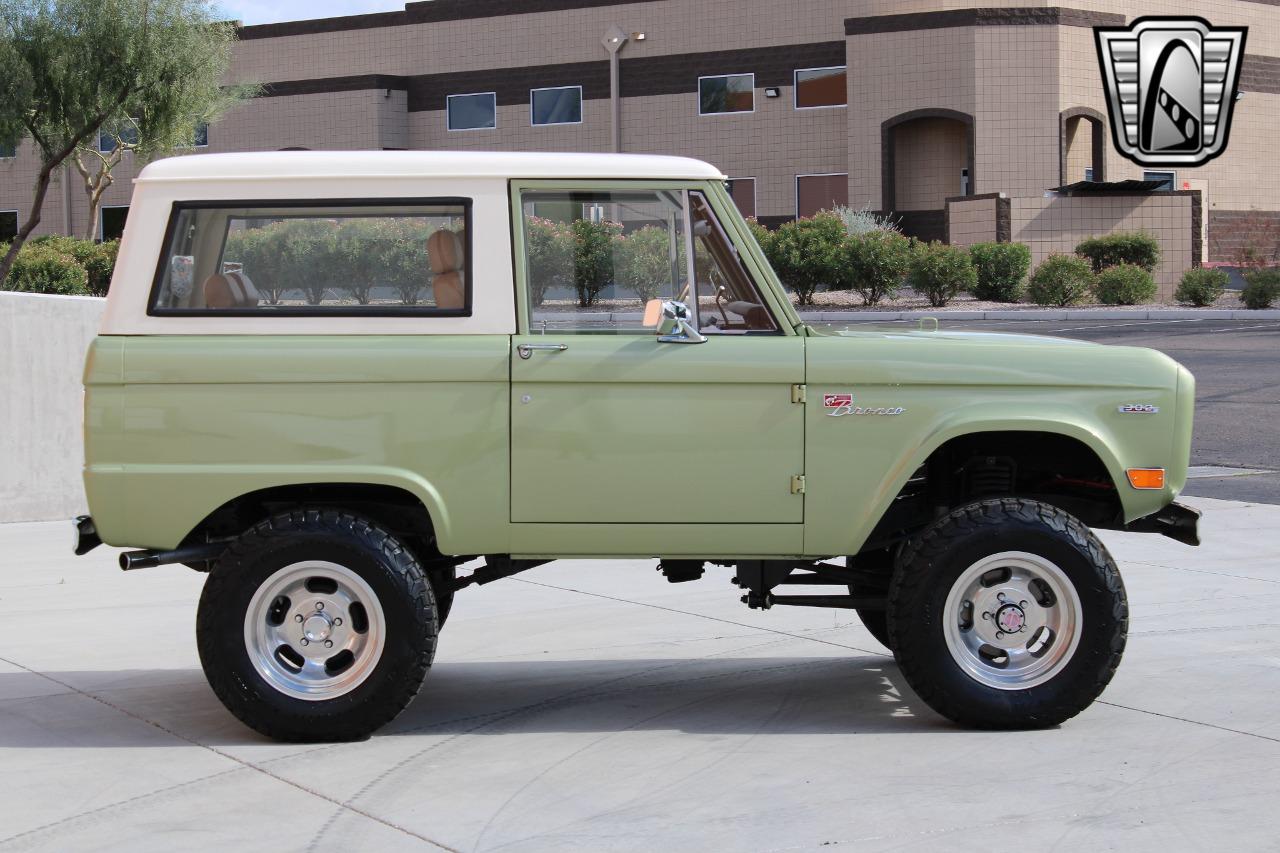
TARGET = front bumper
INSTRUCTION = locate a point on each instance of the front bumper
(1177, 521)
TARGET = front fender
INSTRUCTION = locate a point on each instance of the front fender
(850, 490)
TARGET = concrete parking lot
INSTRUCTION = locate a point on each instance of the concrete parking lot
(592, 706)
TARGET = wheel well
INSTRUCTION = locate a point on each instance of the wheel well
(1049, 467)
(394, 509)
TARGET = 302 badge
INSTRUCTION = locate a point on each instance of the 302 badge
(842, 404)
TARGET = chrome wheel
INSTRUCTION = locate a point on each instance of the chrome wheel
(314, 630)
(1012, 620)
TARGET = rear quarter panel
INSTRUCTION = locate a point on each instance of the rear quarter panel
(179, 425)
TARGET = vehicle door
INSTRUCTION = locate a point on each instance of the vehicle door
(613, 423)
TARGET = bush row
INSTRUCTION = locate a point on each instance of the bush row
(1114, 269)
(66, 266)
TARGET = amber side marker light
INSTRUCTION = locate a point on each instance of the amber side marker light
(1146, 478)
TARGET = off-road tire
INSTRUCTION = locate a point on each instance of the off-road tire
(934, 561)
(388, 568)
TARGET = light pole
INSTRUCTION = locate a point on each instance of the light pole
(614, 40)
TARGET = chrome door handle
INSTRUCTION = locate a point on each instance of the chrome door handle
(526, 350)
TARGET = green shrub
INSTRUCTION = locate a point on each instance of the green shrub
(99, 263)
(97, 259)
(876, 263)
(43, 269)
(1001, 267)
(644, 261)
(592, 258)
(1201, 286)
(1060, 280)
(1124, 284)
(763, 235)
(809, 253)
(1261, 289)
(1138, 248)
(940, 272)
(550, 253)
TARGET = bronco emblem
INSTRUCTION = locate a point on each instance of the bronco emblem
(840, 405)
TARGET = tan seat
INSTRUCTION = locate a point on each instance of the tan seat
(447, 253)
(230, 290)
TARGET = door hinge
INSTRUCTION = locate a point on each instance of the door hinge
(797, 484)
(799, 393)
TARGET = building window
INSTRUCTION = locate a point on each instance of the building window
(821, 87)
(111, 222)
(8, 151)
(202, 135)
(473, 112)
(821, 192)
(1168, 180)
(126, 133)
(8, 225)
(1088, 174)
(729, 93)
(561, 105)
(743, 191)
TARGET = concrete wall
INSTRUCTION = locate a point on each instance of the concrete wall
(1058, 224)
(972, 221)
(43, 340)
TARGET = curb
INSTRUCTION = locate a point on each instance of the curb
(1038, 314)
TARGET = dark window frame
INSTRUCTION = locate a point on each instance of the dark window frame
(448, 113)
(751, 111)
(795, 88)
(581, 106)
(17, 219)
(1173, 178)
(179, 207)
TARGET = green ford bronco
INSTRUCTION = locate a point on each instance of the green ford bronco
(333, 380)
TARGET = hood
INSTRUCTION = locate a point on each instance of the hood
(895, 356)
(999, 338)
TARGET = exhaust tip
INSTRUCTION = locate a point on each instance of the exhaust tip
(131, 560)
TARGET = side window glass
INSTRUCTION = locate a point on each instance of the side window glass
(728, 298)
(284, 258)
(593, 259)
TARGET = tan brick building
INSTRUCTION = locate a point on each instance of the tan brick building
(897, 106)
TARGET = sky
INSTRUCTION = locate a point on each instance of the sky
(270, 11)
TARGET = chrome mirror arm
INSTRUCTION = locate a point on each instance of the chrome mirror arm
(688, 335)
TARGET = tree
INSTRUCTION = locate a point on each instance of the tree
(69, 68)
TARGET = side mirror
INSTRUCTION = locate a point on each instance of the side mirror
(671, 321)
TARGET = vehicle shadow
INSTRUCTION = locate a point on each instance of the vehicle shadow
(720, 695)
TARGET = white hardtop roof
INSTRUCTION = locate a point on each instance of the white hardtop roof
(277, 165)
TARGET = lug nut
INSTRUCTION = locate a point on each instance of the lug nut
(1022, 604)
(328, 644)
(986, 615)
(999, 635)
(305, 641)
(337, 622)
(319, 605)
(298, 618)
